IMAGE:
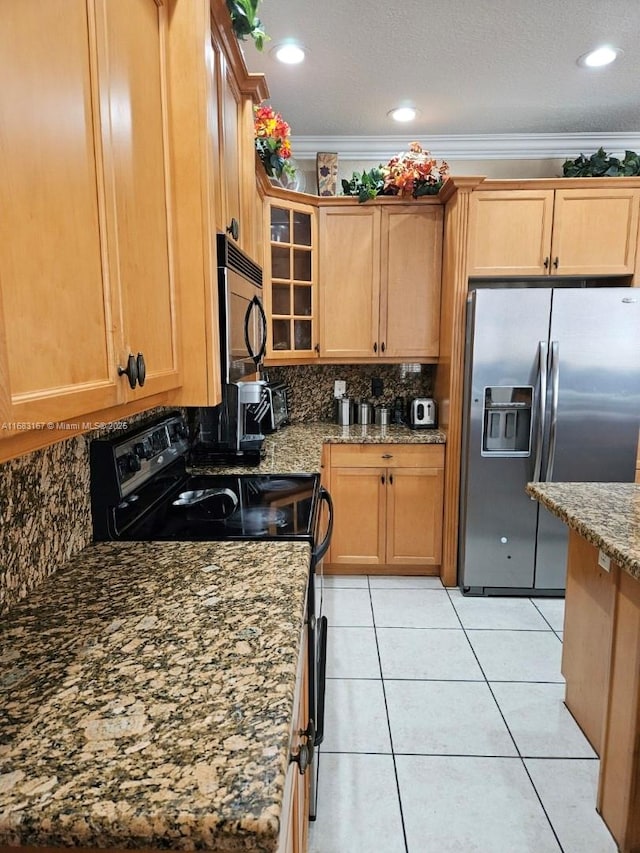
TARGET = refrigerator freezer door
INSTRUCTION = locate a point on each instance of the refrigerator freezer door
(597, 337)
(498, 520)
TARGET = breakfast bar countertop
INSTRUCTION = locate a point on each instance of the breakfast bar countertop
(605, 514)
(147, 695)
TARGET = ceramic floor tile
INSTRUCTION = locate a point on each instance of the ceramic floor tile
(404, 582)
(347, 607)
(413, 608)
(346, 581)
(518, 655)
(471, 805)
(568, 789)
(355, 717)
(539, 721)
(560, 635)
(504, 613)
(434, 653)
(446, 717)
(352, 653)
(553, 611)
(358, 808)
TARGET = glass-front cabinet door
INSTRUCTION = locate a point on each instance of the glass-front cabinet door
(291, 281)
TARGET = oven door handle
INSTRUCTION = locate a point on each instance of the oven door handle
(321, 680)
(320, 550)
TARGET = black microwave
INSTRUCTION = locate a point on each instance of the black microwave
(243, 323)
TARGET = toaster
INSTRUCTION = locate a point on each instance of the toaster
(278, 412)
(422, 413)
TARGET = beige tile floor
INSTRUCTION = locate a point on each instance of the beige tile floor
(445, 726)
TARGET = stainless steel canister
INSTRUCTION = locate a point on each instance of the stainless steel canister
(364, 413)
(343, 411)
(383, 415)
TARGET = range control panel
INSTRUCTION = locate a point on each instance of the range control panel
(143, 455)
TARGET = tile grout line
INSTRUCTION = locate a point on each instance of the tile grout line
(519, 754)
(386, 708)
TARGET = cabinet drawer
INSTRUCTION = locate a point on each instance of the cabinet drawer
(387, 455)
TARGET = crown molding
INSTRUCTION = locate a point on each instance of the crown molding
(499, 146)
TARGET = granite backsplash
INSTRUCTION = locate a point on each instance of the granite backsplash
(312, 385)
(45, 512)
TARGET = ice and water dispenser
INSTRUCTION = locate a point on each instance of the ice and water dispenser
(506, 427)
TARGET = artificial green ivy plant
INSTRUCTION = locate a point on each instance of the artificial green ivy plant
(365, 185)
(244, 17)
(600, 165)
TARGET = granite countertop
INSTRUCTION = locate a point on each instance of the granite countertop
(147, 695)
(605, 514)
(297, 448)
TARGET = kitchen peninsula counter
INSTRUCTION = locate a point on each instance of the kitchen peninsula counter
(605, 514)
(601, 641)
(147, 694)
(297, 448)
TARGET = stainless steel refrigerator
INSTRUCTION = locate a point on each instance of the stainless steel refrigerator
(552, 392)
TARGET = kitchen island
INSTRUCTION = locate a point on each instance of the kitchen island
(601, 643)
(147, 692)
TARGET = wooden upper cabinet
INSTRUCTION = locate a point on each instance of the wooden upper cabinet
(411, 272)
(594, 231)
(529, 232)
(132, 54)
(380, 275)
(59, 307)
(349, 281)
(291, 280)
(510, 232)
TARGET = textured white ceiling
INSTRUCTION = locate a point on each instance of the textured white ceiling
(481, 67)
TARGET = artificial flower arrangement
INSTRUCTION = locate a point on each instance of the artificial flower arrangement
(272, 141)
(412, 173)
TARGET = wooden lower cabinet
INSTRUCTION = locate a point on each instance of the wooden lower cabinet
(387, 508)
(294, 824)
(601, 664)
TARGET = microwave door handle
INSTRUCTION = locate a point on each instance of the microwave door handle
(542, 409)
(256, 357)
(555, 381)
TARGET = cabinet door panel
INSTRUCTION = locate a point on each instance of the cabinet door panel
(358, 530)
(510, 232)
(411, 266)
(594, 231)
(133, 58)
(414, 516)
(349, 282)
(55, 291)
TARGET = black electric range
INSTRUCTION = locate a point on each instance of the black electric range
(141, 490)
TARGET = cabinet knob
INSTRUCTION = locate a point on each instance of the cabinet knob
(302, 758)
(382, 347)
(130, 371)
(142, 369)
(317, 348)
(391, 479)
(387, 455)
(233, 228)
(546, 263)
(382, 479)
(556, 261)
(375, 347)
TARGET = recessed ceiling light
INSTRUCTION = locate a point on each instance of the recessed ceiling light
(403, 114)
(599, 57)
(289, 53)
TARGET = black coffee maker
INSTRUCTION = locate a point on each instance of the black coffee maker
(231, 432)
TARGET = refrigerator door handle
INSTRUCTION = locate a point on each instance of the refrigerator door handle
(542, 409)
(555, 377)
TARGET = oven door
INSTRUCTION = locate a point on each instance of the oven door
(318, 638)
